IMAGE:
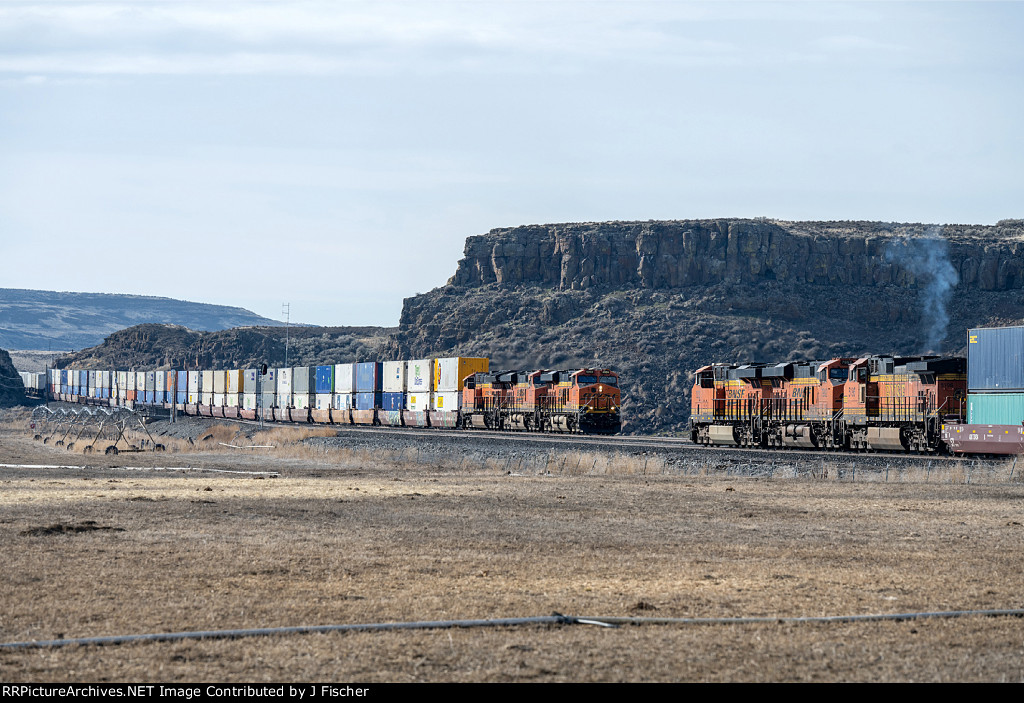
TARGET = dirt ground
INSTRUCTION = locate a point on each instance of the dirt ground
(146, 543)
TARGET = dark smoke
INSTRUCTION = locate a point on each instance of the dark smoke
(927, 257)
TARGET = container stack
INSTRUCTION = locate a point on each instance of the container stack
(324, 387)
(250, 383)
(303, 387)
(448, 376)
(344, 386)
(161, 386)
(150, 387)
(369, 385)
(206, 388)
(394, 385)
(180, 387)
(220, 388)
(995, 376)
(284, 388)
(195, 387)
(268, 390)
(121, 383)
(419, 376)
(235, 382)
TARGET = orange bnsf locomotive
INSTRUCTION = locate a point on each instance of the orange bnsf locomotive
(583, 400)
(877, 402)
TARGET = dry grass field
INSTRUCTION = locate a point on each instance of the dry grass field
(114, 546)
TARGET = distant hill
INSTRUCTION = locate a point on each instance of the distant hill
(38, 319)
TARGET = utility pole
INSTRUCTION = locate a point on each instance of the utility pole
(286, 310)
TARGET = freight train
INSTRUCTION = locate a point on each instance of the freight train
(876, 402)
(455, 392)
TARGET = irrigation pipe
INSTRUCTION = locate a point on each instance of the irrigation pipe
(555, 619)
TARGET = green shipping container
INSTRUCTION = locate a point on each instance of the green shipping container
(995, 408)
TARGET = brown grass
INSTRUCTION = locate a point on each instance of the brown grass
(348, 537)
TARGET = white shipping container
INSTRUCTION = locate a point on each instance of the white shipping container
(232, 400)
(206, 397)
(219, 400)
(122, 380)
(194, 382)
(140, 381)
(194, 398)
(394, 376)
(447, 400)
(131, 380)
(323, 401)
(284, 382)
(344, 379)
(161, 381)
(419, 401)
(344, 401)
(206, 385)
(104, 379)
(301, 401)
(235, 380)
(220, 382)
(420, 376)
(249, 401)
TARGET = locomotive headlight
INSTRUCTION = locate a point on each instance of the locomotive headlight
(600, 389)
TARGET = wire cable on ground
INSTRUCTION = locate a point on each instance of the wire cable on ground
(555, 619)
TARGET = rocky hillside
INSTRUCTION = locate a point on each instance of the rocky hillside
(12, 390)
(34, 319)
(656, 300)
(151, 346)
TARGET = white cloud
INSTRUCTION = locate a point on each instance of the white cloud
(316, 37)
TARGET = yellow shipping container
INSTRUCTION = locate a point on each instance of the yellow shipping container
(449, 373)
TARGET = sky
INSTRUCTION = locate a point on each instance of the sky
(334, 155)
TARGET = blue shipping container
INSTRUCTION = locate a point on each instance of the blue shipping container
(995, 359)
(368, 401)
(83, 379)
(181, 382)
(182, 396)
(324, 379)
(393, 401)
(369, 377)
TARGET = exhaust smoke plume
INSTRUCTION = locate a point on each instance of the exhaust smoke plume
(927, 257)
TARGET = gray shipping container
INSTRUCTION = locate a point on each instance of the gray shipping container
(303, 380)
(249, 384)
(995, 359)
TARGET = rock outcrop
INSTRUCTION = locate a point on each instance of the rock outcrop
(661, 255)
(12, 390)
